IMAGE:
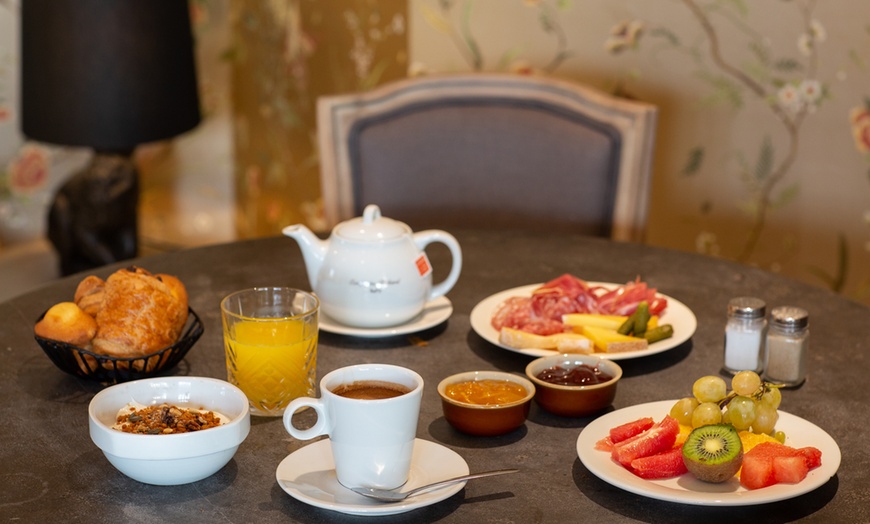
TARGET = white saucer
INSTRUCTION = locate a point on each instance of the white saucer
(308, 475)
(434, 313)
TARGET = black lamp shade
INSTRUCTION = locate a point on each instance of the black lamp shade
(107, 74)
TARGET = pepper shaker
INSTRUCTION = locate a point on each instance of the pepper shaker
(787, 344)
(745, 334)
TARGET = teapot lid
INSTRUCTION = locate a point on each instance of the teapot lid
(371, 226)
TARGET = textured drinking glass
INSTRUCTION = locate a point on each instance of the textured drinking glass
(270, 337)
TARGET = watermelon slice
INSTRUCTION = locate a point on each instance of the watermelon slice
(790, 469)
(812, 456)
(664, 465)
(770, 463)
(660, 437)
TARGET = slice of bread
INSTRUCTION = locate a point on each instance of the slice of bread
(562, 342)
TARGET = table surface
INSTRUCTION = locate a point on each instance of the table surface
(51, 471)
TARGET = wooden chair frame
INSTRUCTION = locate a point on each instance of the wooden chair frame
(635, 122)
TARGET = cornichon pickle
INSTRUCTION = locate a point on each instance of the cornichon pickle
(628, 326)
(659, 333)
(641, 318)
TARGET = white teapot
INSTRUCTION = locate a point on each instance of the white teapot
(372, 271)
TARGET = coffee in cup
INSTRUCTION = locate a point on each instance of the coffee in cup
(371, 390)
(370, 413)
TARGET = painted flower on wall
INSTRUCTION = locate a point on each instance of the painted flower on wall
(799, 96)
(859, 118)
(28, 173)
(814, 34)
(624, 35)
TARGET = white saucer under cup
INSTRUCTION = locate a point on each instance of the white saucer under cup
(372, 441)
(308, 475)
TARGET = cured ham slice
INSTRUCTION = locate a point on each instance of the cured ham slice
(560, 296)
(541, 313)
(624, 300)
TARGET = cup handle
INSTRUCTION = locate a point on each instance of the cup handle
(319, 427)
(423, 239)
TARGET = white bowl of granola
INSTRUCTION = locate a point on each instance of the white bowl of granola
(169, 430)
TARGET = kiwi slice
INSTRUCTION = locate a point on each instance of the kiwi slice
(713, 453)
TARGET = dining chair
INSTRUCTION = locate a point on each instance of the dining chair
(491, 151)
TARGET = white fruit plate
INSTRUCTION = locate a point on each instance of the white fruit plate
(686, 489)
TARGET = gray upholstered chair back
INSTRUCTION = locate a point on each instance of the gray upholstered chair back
(489, 151)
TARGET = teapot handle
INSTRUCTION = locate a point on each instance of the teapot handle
(423, 239)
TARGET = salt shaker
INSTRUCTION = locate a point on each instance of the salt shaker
(745, 334)
(787, 344)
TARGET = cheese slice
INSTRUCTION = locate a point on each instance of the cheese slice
(591, 319)
(577, 320)
(609, 341)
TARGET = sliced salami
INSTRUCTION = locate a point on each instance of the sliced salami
(512, 312)
(518, 313)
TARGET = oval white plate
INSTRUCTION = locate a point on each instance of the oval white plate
(434, 313)
(677, 314)
(308, 475)
(686, 489)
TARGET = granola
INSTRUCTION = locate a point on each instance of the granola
(165, 419)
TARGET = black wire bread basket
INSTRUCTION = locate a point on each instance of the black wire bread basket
(87, 364)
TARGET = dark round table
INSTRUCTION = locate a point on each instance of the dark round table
(52, 472)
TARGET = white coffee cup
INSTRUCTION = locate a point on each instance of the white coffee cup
(372, 440)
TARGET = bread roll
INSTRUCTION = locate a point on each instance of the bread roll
(67, 322)
(140, 313)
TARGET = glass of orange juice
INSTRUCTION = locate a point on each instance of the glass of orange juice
(270, 338)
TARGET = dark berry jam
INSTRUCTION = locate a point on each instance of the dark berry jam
(582, 375)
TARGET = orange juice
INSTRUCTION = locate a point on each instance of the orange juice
(273, 361)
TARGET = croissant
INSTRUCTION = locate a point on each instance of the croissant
(89, 294)
(140, 313)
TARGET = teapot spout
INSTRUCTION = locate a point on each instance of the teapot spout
(313, 250)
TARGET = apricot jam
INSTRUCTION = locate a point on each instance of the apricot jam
(582, 375)
(487, 392)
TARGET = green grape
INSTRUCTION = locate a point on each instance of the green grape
(706, 413)
(746, 383)
(741, 412)
(683, 409)
(765, 418)
(709, 389)
(780, 436)
(772, 397)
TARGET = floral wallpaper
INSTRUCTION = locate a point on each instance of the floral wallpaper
(284, 54)
(762, 151)
(29, 172)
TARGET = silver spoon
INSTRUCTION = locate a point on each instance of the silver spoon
(388, 495)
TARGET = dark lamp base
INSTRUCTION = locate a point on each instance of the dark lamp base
(93, 218)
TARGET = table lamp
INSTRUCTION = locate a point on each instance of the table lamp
(107, 75)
